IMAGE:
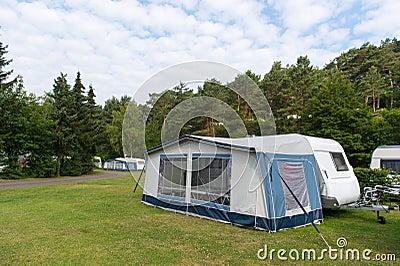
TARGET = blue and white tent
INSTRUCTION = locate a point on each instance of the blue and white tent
(124, 164)
(268, 182)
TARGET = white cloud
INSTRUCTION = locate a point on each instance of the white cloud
(381, 19)
(117, 45)
(304, 14)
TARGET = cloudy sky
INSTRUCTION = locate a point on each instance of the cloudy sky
(118, 45)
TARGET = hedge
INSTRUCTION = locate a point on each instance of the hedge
(372, 177)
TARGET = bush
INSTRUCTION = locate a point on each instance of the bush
(372, 177)
(40, 167)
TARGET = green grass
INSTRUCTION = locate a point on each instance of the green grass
(100, 222)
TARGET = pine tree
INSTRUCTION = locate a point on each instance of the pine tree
(38, 140)
(6, 88)
(93, 116)
(337, 112)
(92, 129)
(274, 86)
(61, 113)
(373, 86)
(299, 83)
(25, 131)
(4, 62)
(77, 165)
(13, 106)
(207, 125)
(12, 119)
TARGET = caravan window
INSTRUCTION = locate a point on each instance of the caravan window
(391, 164)
(211, 179)
(339, 161)
(172, 174)
(294, 176)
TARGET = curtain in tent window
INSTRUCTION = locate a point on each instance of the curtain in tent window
(293, 174)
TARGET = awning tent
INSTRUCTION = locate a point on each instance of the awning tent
(268, 183)
(124, 164)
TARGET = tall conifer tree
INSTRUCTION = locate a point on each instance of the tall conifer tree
(61, 114)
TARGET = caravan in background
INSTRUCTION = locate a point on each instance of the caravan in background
(386, 157)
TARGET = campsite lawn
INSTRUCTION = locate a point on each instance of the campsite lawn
(101, 222)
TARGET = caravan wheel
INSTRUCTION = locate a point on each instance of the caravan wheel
(381, 220)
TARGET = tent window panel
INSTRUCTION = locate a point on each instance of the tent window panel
(172, 176)
(294, 176)
(391, 164)
(338, 160)
(132, 166)
(119, 165)
(211, 180)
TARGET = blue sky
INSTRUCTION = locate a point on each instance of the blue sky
(118, 45)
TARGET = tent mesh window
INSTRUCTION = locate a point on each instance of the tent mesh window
(391, 164)
(211, 179)
(172, 179)
(119, 165)
(132, 166)
(294, 176)
(339, 161)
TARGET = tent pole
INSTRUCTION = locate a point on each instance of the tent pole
(140, 176)
(301, 206)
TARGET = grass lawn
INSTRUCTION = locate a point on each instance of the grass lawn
(100, 222)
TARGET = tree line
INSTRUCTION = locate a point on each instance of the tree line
(58, 133)
(354, 99)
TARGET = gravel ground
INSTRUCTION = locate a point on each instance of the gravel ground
(24, 183)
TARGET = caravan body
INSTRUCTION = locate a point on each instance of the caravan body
(97, 162)
(386, 157)
(338, 183)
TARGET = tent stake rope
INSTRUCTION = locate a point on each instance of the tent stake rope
(305, 212)
(137, 182)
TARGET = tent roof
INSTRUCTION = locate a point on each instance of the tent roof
(212, 141)
(127, 159)
(285, 144)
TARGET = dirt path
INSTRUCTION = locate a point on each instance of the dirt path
(24, 183)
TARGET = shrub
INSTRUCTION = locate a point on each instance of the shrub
(372, 177)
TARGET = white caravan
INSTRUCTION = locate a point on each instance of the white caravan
(97, 162)
(386, 157)
(338, 183)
